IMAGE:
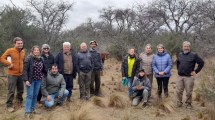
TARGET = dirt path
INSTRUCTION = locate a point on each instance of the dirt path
(98, 109)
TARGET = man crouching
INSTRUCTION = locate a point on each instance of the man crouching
(54, 86)
(141, 87)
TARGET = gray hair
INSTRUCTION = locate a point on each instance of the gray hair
(82, 44)
(160, 45)
(66, 43)
(148, 45)
(45, 46)
(186, 43)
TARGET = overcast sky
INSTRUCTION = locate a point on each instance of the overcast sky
(84, 9)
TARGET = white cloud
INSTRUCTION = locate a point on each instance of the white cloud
(84, 9)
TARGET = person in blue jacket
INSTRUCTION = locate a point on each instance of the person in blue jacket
(162, 64)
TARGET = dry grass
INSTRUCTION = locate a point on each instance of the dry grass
(116, 101)
(81, 114)
(98, 102)
(166, 106)
(126, 115)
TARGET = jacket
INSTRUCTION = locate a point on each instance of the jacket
(59, 60)
(52, 84)
(162, 62)
(146, 63)
(84, 62)
(17, 59)
(186, 63)
(124, 67)
(97, 61)
(29, 68)
(48, 61)
(143, 82)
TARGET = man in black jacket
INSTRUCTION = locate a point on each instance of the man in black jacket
(95, 77)
(186, 62)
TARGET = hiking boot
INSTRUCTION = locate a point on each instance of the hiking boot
(10, 109)
(144, 104)
(189, 106)
(59, 104)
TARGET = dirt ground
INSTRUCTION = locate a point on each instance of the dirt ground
(110, 85)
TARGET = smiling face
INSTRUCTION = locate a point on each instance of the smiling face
(66, 48)
(83, 47)
(160, 49)
(131, 52)
(141, 73)
(36, 51)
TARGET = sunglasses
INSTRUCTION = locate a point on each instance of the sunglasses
(45, 48)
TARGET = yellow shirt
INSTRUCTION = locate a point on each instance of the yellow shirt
(130, 65)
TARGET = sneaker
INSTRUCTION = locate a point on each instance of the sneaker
(189, 106)
(10, 109)
(28, 116)
(58, 104)
(36, 112)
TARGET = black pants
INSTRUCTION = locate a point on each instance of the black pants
(69, 83)
(95, 79)
(163, 82)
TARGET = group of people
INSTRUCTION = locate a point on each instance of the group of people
(139, 71)
(49, 76)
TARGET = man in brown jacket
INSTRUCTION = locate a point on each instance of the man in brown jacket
(13, 58)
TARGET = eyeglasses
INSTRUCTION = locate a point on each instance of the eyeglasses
(45, 48)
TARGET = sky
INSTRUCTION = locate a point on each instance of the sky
(84, 9)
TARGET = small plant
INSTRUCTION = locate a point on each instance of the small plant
(98, 102)
(81, 114)
(116, 101)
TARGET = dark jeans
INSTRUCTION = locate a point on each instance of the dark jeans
(95, 78)
(69, 83)
(162, 82)
(13, 83)
(84, 85)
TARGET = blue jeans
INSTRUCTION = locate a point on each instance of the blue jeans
(31, 96)
(49, 104)
(130, 82)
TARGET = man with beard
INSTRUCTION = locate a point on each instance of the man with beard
(186, 62)
(95, 77)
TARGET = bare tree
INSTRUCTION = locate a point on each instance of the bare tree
(52, 16)
(178, 15)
